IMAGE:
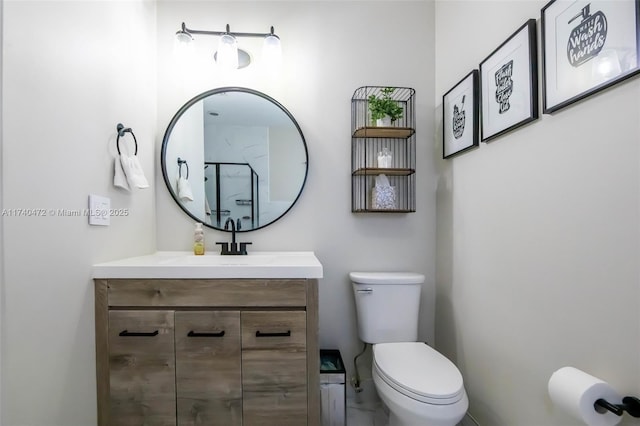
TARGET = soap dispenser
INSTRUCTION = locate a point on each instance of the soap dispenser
(198, 240)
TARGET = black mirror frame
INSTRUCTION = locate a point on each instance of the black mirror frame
(200, 97)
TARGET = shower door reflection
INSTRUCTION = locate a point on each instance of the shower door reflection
(231, 191)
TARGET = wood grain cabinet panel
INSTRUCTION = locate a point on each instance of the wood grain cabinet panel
(286, 330)
(274, 368)
(218, 293)
(196, 352)
(208, 370)
(142, 368)
(274, 387)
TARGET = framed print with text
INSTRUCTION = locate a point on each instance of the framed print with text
(460, 116)
(587, 46)
(509, 83)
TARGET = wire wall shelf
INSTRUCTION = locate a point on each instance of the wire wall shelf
(383, 157)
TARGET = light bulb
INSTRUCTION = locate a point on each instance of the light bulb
(272, 51)
(183, 37)
(183, 45)
(227, 56)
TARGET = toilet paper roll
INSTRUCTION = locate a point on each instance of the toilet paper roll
(575, 391)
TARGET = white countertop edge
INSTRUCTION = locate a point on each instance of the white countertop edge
(146, 266)
(138, 274)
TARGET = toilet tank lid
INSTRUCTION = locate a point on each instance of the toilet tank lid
(386, 277)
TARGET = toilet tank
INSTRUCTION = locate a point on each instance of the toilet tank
(387, 305)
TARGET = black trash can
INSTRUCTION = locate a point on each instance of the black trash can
(333, 397)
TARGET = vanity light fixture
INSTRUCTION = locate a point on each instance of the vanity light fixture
(228, 55)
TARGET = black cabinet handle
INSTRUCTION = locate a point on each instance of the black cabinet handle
(285, 334)
(126, 333)
(195, 334)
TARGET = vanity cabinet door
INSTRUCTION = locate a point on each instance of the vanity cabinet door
(141, 368)
(208, 371)
(274, 368)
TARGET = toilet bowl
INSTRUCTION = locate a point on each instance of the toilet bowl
(420, 386)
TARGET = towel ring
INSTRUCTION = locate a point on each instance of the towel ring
(180, 163)
(121, 131)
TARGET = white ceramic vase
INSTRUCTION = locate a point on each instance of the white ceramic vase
(384, 121)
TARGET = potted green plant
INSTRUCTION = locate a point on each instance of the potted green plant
(384, 110)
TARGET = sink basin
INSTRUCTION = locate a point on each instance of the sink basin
(298, 264)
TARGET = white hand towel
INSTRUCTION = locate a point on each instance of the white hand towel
(184, 189)
(133, 171)
(119, 179)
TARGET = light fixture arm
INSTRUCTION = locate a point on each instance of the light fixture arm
(220, 33)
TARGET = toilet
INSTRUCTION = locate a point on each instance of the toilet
(420, 386)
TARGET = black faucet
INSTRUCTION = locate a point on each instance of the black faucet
(233, 232)
(233, 250)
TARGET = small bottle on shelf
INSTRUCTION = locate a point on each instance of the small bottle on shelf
(384, 158)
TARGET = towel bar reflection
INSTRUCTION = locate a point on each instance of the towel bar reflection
(180, 163)
(121, 131)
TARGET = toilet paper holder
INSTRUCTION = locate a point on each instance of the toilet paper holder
(630, 404)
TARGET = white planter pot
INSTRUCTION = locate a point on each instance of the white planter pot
(384, 121)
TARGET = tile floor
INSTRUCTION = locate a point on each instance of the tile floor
(366, 409)
(374, 414)
(366, 414)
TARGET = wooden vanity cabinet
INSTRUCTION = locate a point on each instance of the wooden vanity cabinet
(207, 352)
(274, 367)
(141, 367)
(208, 368)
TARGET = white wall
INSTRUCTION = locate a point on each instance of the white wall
(538, 237)
(538, 231)
(2, 279)
(73, 69)
(329, 50)
(71, 72)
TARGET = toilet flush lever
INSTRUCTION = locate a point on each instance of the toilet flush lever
(365, 290)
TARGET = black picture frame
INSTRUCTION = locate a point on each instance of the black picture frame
(509, 83)
(460, 130)
(582, 58)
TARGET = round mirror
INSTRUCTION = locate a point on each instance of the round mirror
(234, 153)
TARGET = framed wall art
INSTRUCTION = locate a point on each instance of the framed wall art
(509, 83)
(460, 115)
(587, 46)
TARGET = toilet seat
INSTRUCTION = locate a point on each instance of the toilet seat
(418, 371)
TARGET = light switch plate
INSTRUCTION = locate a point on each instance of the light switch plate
(99, 210)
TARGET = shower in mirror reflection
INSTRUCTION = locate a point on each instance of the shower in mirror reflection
(247, 157)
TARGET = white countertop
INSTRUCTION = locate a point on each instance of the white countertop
(184, 264)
